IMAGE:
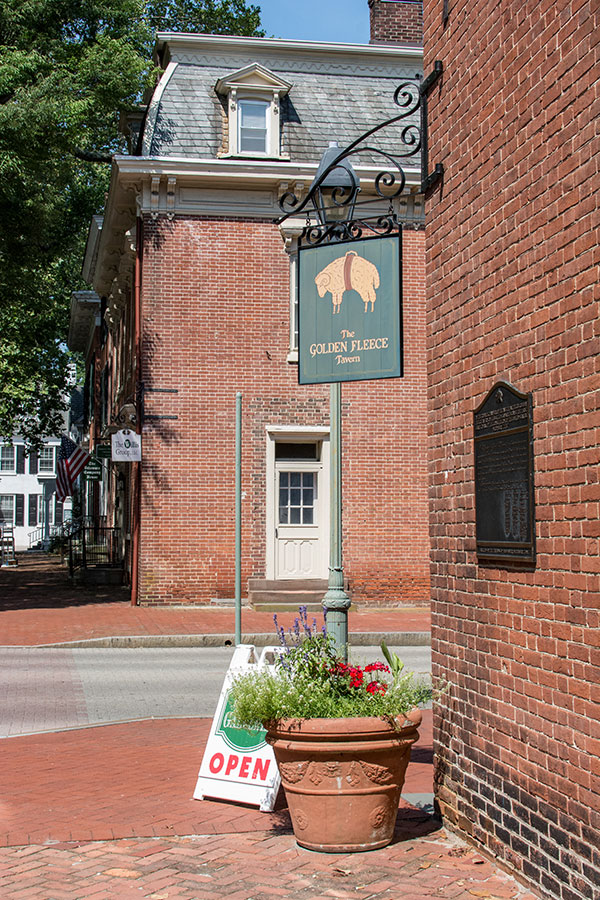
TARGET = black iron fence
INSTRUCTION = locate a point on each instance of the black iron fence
(92, 544)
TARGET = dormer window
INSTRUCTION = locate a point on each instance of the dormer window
(253, 111)
(253, 131)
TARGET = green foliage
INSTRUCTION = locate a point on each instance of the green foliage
(67, 70)
(310, 681)
(393, 660)
(211, 17)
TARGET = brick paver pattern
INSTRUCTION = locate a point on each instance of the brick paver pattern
(106, 813)
(252, 866)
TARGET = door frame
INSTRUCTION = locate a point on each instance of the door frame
(296, 434)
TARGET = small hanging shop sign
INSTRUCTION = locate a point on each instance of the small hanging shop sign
(93, 470)
(350, 317)
(126, 446)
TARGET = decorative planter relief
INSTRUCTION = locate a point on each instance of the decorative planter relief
(343, 778)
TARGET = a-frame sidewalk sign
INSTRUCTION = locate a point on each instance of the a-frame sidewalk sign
(238, 764)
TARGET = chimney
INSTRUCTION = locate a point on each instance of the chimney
(397, 22)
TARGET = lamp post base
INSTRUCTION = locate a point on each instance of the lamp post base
(336, 604)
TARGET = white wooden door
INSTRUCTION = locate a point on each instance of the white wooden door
(298, 505)
(297, 532)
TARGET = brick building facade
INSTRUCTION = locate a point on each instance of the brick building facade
(194, 289)
(512, 283)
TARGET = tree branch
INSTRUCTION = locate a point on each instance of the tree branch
(92, 156)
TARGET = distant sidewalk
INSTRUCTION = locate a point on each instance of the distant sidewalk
(39, 605)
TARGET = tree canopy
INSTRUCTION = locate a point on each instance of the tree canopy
(68, 68)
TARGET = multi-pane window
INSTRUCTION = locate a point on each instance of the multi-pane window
(252, 123)
(46, 460)
(7, 458)
(7, 509)
(296, 498)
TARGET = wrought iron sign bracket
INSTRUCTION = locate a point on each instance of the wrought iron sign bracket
(334, 218)
(142, 391)
(428, 179)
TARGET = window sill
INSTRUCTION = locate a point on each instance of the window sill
(282, 157)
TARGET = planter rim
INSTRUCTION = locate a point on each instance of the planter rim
(339, 726)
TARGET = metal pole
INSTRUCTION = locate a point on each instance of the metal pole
(238, 518)
(336, 602)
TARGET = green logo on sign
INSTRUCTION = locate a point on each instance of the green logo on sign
(235, 737)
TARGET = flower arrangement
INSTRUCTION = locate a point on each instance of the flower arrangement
(310, 681)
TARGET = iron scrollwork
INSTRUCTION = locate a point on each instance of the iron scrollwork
(389, 183)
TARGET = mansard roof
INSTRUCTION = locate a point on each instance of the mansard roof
(334, 92)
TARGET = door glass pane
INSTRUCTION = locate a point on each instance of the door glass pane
(286, 450)
(296, 498)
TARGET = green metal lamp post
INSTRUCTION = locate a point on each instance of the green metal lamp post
(335, 197)
(336, 601)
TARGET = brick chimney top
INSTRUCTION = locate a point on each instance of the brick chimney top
(397, 22)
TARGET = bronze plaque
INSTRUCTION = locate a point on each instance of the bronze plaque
(504, 510)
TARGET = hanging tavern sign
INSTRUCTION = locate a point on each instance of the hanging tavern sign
(349, 302)
(504, 500)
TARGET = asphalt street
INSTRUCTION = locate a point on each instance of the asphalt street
(53, 689)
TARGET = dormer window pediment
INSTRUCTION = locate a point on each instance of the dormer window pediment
(253, 101)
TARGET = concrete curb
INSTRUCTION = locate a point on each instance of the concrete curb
(357, 639)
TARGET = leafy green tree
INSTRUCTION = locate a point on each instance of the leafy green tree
(67, 70)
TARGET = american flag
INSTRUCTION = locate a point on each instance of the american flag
(71, 461)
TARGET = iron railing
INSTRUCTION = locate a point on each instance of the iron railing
(92, 544)
(38, 536)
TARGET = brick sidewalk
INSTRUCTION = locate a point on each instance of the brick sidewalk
(39, 605)
(419, 865)
(107, 812)
(117, 781)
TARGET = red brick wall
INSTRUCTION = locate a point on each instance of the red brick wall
(512, 266)
(215, 320)
(396, 22)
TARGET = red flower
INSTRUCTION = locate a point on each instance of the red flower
(356, 676)
(377, 667)
(377, 687)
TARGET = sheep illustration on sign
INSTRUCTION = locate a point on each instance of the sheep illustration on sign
(349, 273)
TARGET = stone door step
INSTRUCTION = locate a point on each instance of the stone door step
(286, 595)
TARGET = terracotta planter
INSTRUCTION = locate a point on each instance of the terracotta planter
(342, 778)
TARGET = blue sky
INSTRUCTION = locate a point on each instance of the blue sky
(345, 21)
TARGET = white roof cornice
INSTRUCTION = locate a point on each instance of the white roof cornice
(174, 43)
(236, 171)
